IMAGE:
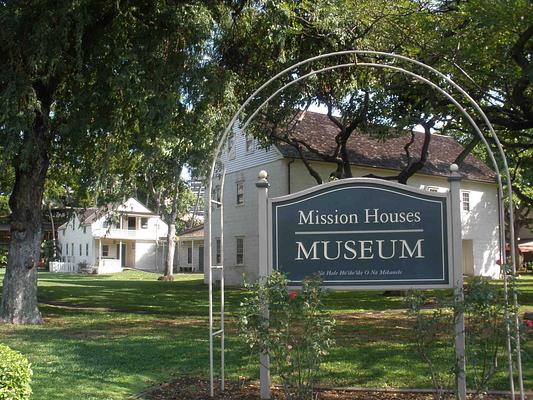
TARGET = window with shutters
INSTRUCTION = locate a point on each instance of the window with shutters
(239, 260)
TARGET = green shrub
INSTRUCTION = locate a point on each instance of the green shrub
(3, 257)
(15, 375)
(296, 335)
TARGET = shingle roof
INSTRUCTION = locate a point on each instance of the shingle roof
(89, 215)
(370, 151)
(191, 230)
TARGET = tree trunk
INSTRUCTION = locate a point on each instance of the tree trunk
(169, 262)
(19, 294)
(171, 221)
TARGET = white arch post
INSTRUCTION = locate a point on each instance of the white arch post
(389, 59)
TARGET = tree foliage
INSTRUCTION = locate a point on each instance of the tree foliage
(484, 46)
(83, 87)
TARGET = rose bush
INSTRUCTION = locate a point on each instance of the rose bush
(296, 335)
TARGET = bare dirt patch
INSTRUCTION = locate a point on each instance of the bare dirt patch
(198, 389)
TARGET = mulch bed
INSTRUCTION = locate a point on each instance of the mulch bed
(188, 388)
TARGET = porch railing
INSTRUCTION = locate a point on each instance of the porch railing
(66, 265)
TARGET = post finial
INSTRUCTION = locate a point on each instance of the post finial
(455, 175)
(262, 182)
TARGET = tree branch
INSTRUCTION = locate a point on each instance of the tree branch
(413, 167)
(467, 150)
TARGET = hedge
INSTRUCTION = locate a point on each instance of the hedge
(15, 375)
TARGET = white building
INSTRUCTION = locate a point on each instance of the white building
(190, 250)
(129, 235)
(370, 156)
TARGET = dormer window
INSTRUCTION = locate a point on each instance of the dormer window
(231, 147)
(249, 144)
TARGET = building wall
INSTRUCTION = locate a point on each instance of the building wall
(73, 234)
(238, 157)
(149, 256)
(240, 221)
(480, 224)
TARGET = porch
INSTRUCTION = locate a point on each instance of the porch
(190, 255)
(114, 255)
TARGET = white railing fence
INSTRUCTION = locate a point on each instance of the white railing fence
(66, 265)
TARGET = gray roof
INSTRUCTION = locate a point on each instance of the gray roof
(89, 215)
(191, 229)
(370, 151)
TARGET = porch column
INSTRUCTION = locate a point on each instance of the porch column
(120, 252)
(192, 255)
(99, 252)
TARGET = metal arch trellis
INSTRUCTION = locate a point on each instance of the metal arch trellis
(470, 100)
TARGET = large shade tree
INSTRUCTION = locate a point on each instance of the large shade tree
(76, 80)
(485, 46)
(164, 158)
(287, 31)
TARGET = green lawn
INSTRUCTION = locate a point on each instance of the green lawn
(107, 337)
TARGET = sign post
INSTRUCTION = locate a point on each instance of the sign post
(457, 259)
(262, 201)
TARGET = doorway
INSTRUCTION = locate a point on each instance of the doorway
(122, 254)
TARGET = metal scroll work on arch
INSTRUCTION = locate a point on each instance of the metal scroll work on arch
(441, 84)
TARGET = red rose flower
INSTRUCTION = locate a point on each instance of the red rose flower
(292, 294)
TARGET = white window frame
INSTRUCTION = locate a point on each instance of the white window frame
(144, 225)
(87, 249)
(105, 250)
(81, 250)
(239, 255)
(239, 197)
(465, 201)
